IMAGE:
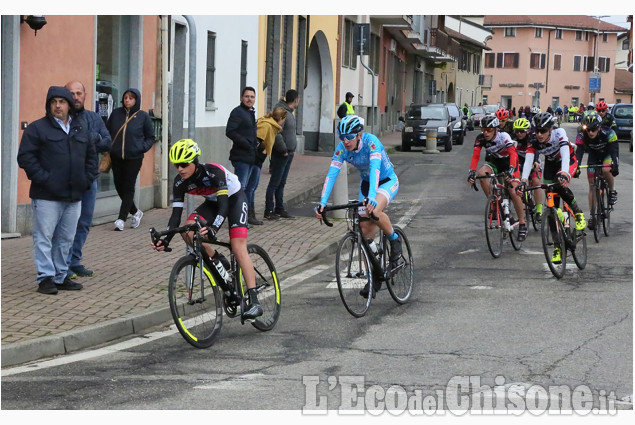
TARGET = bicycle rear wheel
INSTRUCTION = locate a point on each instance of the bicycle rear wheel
(597, 215)
(605, 211)
(513, 233)
(494, 226)
(530, 210)
(196, 306)
(579, 252)
(353, 273)
(553, 240)
(400, 284)
(267, 287)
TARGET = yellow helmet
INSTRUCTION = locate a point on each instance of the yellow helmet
(184, 151)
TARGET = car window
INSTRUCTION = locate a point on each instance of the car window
(490, 109)
(623, 112)
(427, 113)
(478, 110)
(454, 111)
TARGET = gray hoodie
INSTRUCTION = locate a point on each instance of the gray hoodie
(288, 130)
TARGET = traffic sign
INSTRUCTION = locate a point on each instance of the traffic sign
(595, 82)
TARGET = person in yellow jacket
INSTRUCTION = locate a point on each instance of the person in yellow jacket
(346, 108)
(272, 144)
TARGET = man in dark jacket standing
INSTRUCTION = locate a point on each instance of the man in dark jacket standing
(241, 130)
(96, 131)
(61, 161)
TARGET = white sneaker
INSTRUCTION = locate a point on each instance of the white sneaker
(135, 221)
(119, 224)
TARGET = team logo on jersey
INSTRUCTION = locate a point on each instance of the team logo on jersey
(338, 152)
(373, 146)
(206, 182)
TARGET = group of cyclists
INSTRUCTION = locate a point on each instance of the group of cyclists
(515, 149)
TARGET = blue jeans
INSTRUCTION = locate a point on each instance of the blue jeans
(248, 176)
(83, 225)
(54, 225)
(275, 189)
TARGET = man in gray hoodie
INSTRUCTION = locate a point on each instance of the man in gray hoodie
(279, 176)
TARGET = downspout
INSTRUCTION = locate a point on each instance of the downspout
(191, 106)
(548, 55)
(164, 111)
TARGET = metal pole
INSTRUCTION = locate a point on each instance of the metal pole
(372, 82)
(191, 106)
(164, 112)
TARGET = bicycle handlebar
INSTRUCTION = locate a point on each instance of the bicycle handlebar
(350, 205)
(486, 176)
(198, 224)
(596, 166)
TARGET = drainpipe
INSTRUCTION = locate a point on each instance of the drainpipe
(164, 111)
(191, 106)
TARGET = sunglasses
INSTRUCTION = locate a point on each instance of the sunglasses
(182, 164)
(347, 137)
(542, 130)
(520, 131)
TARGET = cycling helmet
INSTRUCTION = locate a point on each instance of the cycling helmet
(184, 151)
(502, 114)
(350, 124)
(521, 124)
(601, 106)
(535, 110)
(543, 120)
(591, 121)
(489, 121)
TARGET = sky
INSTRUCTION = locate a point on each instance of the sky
(617, 20)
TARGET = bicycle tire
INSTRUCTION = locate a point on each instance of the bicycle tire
(400, 284)
(513, 233)
(267, 286)
(597, 215)
(606, 211)
(530, 208)
(353, 272)
(494, 227)
(197, 313)
(579, 253)
(550, 240)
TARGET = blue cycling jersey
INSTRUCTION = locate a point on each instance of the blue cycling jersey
(370, 159)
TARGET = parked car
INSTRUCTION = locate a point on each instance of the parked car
(478, 112)
(421, 117)
(623, 114)
(460, 124)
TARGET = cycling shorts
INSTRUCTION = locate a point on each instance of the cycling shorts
(597, 157)
(500, 165)
(236, 214)
(388, 187)
(551, 169)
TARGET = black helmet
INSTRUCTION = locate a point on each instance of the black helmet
(543, 120)
(591, 121)
(489, 121)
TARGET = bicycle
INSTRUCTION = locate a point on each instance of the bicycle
(601, 209)
(358, 265)
(501, 219)
(529, 205)
(197, 305)
(558, 232)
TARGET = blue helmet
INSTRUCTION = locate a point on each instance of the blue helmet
(350, 124)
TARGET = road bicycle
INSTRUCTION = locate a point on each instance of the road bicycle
(501, 220)
(601, 209)
(559, 234)
(361, 263)
(529, 205)
(199, 291)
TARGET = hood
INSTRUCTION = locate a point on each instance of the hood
(270, 121)
(137, 104)
(63, 92)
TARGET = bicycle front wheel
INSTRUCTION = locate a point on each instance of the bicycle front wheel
(605, 211)
(553, 242)
(513, 233)
(196, 305)
(494, 226)
(267, 286)
(579, 251)
(597, 215)
(400, 284)
(353, 274)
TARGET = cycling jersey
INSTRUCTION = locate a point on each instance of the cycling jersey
(604, 144)
(370, 159)
(558, 148)
(501, 146)
(609, 122)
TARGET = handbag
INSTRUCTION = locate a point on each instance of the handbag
(105, 163)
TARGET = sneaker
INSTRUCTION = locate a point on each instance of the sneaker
(270, 215)
(254, 221)
(255, 310)
(580, 222)
(71, 274)
(79, 270)
(590, 224)
(612, 197)
(119, 224)
(284, 214)
(522, 232)
(556, 258)
(135, 221)
(69, 285)
(47, 286)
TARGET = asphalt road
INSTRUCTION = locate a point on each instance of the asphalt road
(492, 322)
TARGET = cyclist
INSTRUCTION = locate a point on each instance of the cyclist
(500, 156)
(560, 163)
(522, 135)
(607, 118)
(559, 113)
(504, 124)
(223, 198)
(378, 183)
(603, 148)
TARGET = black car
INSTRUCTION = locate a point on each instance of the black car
(623, 114)
(419, 118)
(460, 124)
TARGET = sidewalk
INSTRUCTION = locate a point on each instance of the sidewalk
(128, 292)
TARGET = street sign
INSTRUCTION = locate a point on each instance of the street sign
(595, 82)
(361, 39)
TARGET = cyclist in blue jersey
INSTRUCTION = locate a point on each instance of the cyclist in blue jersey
(378, 182)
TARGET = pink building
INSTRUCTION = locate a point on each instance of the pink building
(549, 60)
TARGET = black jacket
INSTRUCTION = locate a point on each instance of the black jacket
(137, 137)
(241, 129)
(61, 166)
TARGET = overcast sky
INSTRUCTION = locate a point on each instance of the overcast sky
(617, 20)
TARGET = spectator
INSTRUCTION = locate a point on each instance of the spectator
(241, 129)
(550, 109)
(565, 111)
(132, 136)
(346, 108)
(289, 138)
(268, 129)
(97, 131)
(401, 124)
(61, 161)
(527, 112)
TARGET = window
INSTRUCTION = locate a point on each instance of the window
(555, 101)
(538, 32)
(559, 34)
(210, 70)
(586, 36)
(575, 101)
(578, 35)
(507, 60)
(484, 99)
(557, 62)
(243, 65)
(576, 63)
(476, 64)
(537, 61)
(490, 60)
(589, 63)
(605, 37)
(373, 61)
(349, 60)
(625, 44)
(604, 64)
(510, 32)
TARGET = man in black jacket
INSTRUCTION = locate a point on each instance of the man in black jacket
(241, 129)
(60, 159)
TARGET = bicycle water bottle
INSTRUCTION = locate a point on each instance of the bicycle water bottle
(560, 214)
(505, 204)
(373, 247)
(220, 268)
(565, 216)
